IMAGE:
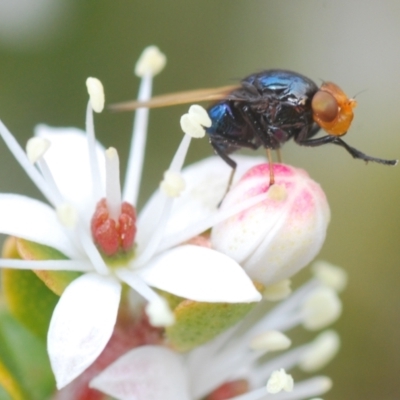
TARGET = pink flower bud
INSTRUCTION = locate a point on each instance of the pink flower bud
(278, 236)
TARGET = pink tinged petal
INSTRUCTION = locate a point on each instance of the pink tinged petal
(145, 373)
(280, 235)
(205, 184)
(200, 274)
(82, 324)
(68, 159)
(33, 220)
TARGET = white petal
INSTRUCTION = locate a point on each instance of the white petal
(33, 220)
(82, 324)
(205, 185)
(145, 373)
(68, 159)
(200, 274)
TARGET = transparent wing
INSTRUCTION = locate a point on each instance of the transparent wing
(190, 96)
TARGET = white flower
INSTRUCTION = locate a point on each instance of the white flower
(158, 373)
(74, 174)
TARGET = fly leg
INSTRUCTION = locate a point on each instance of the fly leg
(265, 137)
(271, 167)
(339, 142)
(222, 152)
(230, 162)
(279, 155)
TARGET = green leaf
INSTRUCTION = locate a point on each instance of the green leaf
(24, 367)
(197, 323)
(56, 281)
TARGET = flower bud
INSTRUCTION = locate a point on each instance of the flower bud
(278, 236)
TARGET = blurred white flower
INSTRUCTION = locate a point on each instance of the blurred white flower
(230, 363)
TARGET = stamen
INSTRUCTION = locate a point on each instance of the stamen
(283, 317)
(157, 310)
(166, 206)
(279, 381)
(180, 154)
(47, 265)
(67, 215)
(152, 246)
(96, 93)
(48, 176)
(202, 226)
(159, 313)
(270, 341)
(302, 390)
(173, 184)
(194, 122)
(321, 351)
(91, 138)
(93, 254)
(138, 144)
(277, 291)
(36, 147)
(113, 187)
(321, 308)
(330, 275)
(30, 170)
(151, 62)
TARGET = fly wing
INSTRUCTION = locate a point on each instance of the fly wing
(191, 96)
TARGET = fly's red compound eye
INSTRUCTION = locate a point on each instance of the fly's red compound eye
(324, 106)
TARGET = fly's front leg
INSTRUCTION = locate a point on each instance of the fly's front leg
(339, 142)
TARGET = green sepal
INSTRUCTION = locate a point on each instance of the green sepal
(172, 299)
(197, 322)
(56, 281)
(29, 300)
(25, 372)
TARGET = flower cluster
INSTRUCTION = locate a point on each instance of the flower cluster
(205, 275)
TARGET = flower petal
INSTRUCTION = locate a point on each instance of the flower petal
(33, 220)
(200, 274)
(145, 373)
(82, 324)
(206, 182)
(68, 159)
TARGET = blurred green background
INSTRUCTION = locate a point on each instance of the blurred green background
(48, 48)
